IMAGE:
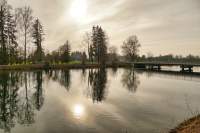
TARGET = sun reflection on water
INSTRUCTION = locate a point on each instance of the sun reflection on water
(78, 111)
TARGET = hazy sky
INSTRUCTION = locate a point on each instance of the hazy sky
(162, 26)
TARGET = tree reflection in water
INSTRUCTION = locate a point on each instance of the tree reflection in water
(65, 78)
(26, 109)
(16, 105)
(8, 100)
(21, 93)
(38, 97)
(97, 80)
(83, 75)
(61, 76)
(130, 80)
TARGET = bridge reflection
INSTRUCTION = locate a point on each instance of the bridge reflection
(195, 76)
(184, 67)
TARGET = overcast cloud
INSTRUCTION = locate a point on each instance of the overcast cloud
(162, 26)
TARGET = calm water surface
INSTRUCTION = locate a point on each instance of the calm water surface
(96, 101)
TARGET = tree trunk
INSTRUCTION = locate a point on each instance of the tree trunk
(25, 46)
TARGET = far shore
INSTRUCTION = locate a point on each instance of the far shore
(59, 66)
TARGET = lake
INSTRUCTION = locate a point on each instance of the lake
(96, 101)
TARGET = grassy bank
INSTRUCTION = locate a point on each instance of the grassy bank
(189, 126)
(71, 65)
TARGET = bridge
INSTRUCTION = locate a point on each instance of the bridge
(185, 67)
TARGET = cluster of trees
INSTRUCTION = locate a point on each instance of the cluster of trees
(15, 24)
(96, 45)
(62, 54)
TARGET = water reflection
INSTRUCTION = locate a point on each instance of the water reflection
(26, 106)
(22, 95)
(8, 100)
(18, 100)
(130, 80)
(61, 76)
(97, 79)
(114, 71)
(84, 75)
(38, 97)
(78, 111)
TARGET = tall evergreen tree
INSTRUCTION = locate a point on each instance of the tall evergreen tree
(3, 36)
(94, 47)
(65, 51)
(12, 39)
(99, 45)
(38, 38)
(102, 46)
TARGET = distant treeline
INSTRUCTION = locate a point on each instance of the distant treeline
(170, 58)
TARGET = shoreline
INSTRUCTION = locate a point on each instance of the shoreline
(59, 66)
(28, 67)
(191, 125)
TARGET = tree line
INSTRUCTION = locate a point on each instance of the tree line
(19, 29)
(96, 53)
(16, 24)
(170, 58)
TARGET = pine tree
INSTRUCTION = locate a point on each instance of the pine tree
(38, 38)
(95, 44)
(12, 39)
(99, 45)
(102, 46)
(65, 51)
(3, 37)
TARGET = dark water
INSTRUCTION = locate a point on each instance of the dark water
(96, 101)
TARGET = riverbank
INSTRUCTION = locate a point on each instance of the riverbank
(189, 126)
(58, 66)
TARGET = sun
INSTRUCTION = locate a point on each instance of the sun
(78, 9)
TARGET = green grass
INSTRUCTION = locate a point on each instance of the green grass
(74, 62)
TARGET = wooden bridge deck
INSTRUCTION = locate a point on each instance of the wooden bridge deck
(166, 64)
(186, 67)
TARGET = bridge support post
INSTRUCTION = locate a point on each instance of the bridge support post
(182, 68)
(186, 68)
(190, 69)
(159, 67)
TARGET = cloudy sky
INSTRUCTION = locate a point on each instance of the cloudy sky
(162, 26)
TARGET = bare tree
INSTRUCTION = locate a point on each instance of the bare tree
(87, 43)
(26, 20)
(130, 48)
(112, 50)
(113, 54)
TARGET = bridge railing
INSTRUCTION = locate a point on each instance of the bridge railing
(166, 63)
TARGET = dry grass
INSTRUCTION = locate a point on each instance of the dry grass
(190, 126)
